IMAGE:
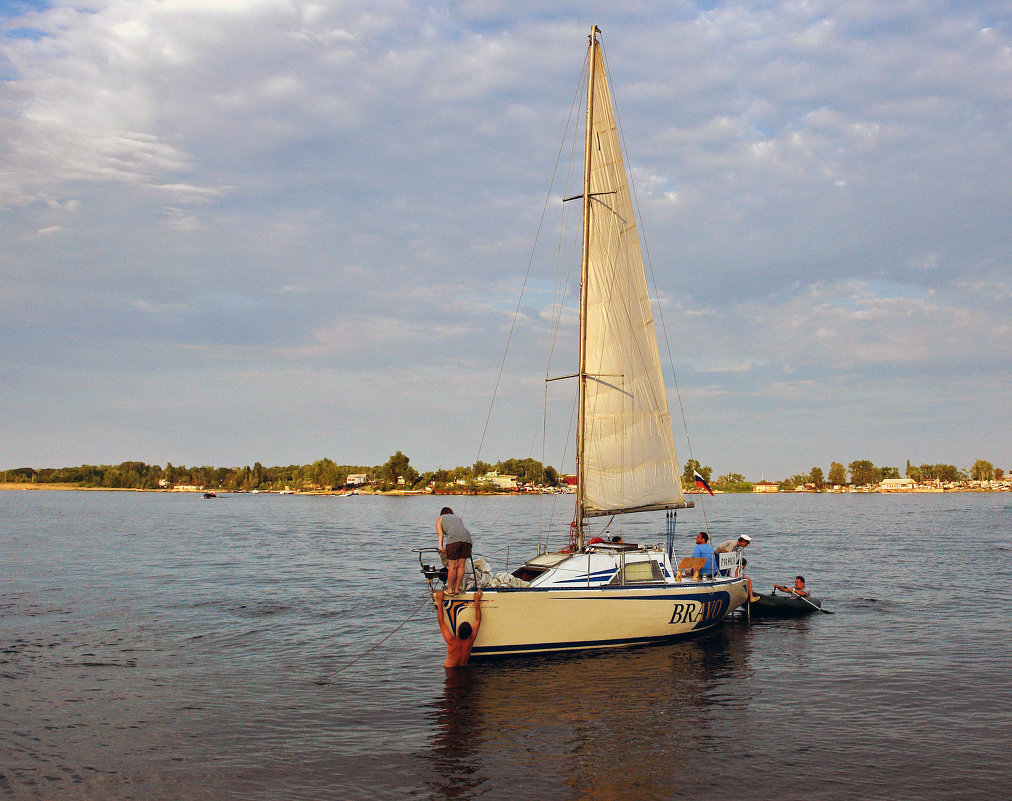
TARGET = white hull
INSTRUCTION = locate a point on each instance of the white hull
(531, 620)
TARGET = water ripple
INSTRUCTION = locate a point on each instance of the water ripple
(154, 646)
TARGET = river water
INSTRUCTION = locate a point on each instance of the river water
(159, 646)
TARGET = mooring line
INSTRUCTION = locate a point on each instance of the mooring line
(329, 676)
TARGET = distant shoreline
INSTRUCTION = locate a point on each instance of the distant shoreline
(11, 486)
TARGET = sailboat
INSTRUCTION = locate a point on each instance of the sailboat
(608, 594)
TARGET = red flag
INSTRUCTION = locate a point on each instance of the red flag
(701, 482)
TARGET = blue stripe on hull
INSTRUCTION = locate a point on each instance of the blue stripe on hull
(535, 648)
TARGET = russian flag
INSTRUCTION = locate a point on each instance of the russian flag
(701, 482)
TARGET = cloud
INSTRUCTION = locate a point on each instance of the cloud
(184, 193)
(352, 188)
(48, 231)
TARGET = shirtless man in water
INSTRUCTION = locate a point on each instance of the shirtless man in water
(459, 644)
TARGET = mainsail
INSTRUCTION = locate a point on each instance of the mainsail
(628, 460)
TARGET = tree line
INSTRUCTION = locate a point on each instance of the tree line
(323, 474)
(862, 472)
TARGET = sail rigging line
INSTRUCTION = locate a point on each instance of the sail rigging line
(563, 276)
(671, 360)
(523, 288)
(664, 331)
(641, 224)
(329, 676)
(565, 454)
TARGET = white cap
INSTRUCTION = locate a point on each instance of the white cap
(745, 537)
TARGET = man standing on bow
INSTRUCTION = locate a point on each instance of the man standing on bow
(455, 543)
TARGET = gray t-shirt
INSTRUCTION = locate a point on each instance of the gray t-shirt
(454, 530)
(727, 546)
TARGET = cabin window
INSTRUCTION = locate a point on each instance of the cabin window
(527, 573)
(541, 563)
(637, 572)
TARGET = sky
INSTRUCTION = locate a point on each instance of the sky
(264, 230)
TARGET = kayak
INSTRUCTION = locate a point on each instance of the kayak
(783, 606)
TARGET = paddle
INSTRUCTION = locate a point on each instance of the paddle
(803, 598)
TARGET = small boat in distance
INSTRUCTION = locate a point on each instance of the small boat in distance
(210, 495)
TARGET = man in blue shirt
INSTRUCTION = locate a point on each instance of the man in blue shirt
(705, 550)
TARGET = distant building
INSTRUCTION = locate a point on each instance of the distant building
(897, 485)
(500, 482)
(765, 486)
(357, 479)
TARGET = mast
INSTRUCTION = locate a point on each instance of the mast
(584, 276)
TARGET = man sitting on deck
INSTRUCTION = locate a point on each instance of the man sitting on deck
(798, 588)
(704, 550)
(459, 644)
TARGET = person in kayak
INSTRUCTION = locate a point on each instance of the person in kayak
(798, 588)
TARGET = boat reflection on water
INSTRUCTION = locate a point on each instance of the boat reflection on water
(612, 725)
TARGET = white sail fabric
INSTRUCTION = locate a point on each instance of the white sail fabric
(628, 448)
